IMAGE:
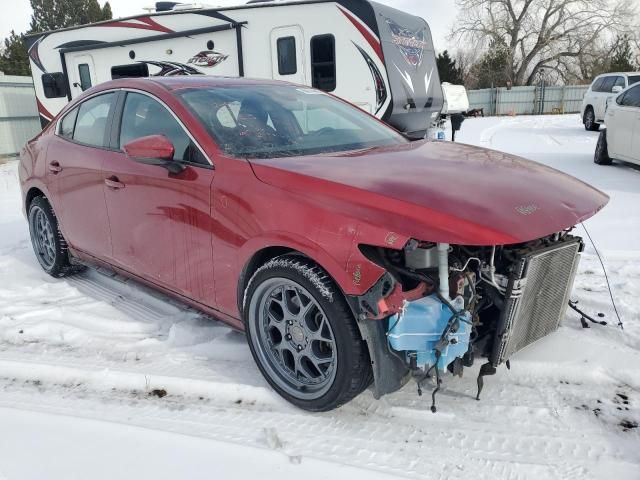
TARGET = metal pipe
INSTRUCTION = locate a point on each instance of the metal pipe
(443, 269)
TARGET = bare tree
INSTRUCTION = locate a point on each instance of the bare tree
(549, 34)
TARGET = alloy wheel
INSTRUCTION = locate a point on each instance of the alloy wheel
(294, 338)
(42, 237)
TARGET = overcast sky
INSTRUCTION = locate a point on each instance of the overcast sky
(438, 13)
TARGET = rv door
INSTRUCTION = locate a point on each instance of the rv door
(287, 54)
(82, 74)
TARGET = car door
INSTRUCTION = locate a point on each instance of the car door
(83, 74)
(160, 222)
(74, 158)
(632, 99)
(287, 54)
(604, 92)
(624, 117)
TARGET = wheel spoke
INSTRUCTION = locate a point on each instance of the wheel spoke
(320, 334)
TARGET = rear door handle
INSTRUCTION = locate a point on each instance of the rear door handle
(54, 167)
(114, 183)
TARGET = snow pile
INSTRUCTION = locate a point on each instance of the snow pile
(99, 347)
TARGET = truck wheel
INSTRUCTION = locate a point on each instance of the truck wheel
(303, 336)
(601, 156)
(589, 120)
(48, 243)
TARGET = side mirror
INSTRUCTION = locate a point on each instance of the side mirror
(617, 89)
(154, 150)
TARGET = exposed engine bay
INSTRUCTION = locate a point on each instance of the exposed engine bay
(443, 306)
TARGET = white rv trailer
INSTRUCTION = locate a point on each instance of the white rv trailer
(374, 56)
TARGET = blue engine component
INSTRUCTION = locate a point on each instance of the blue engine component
(420, 326)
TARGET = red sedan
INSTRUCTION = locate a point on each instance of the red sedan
(348, 254)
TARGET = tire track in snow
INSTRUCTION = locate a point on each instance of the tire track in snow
(434, 448)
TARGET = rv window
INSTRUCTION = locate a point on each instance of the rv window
(85, 76)
(129, 71)
(54, 85)
(68, 123)
(91, 124)
(323, 62)
(143, 116)
(287, 61)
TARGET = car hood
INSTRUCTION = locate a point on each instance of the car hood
(440, 191)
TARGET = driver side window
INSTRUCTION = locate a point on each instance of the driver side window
(631, 98)
(143, 116)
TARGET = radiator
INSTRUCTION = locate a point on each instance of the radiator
(545, 278)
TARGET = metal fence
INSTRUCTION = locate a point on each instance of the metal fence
(19, 119)
(533, 100)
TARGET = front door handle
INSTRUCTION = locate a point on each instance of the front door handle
(114, 183)
(54, 167)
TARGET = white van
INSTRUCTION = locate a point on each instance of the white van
(603, 87)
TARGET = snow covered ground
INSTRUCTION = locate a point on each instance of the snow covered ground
(103, 378)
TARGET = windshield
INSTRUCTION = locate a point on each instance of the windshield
(268, 121)
(633, 79)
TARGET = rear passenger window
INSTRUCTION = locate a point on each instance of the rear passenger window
(323, 62)
(287, 60)
(143, 116)
(68, 123)
(91, 124)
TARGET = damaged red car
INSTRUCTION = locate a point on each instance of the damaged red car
(349, 255)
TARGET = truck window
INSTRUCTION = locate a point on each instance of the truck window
(54, 85)
(85, 76)
(607, 85)
(323, 62)
(287, 60)
(619, 82)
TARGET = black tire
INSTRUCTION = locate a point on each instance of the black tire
(601, 156)
(351, 372)
(52, 254)
(589, 120)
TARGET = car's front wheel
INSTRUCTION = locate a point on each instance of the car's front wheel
(589, 120)
(48, 243)
(601, 156)
(303, 336)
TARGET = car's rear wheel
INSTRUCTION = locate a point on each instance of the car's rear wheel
(601, 156)
(303, 336)
(589, 120)
(48, 243)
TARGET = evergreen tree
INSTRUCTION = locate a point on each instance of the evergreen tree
(106, 12)
(55, 14)
(448, 70)
(622, 59)
(14, 60)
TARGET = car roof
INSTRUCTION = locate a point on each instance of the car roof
(180, 82)
(618, 74)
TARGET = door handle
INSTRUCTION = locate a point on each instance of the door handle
(54, 167)
(114, 183)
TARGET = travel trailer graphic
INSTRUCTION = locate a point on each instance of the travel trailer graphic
(376, 57)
